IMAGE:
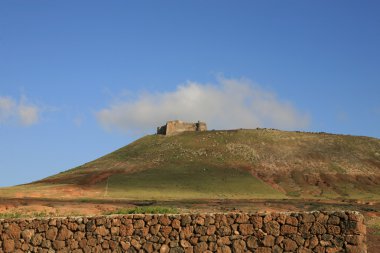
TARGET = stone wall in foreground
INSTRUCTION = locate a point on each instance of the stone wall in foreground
(236, 232)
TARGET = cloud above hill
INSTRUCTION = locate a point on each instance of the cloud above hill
(226, 104)
(18, 112)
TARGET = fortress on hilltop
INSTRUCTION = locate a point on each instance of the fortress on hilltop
(177, 126)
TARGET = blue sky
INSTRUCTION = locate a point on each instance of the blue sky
(79, 79)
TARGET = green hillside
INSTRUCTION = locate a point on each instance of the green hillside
(259, 163)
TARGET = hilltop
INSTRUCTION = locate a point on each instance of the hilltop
(229, 164)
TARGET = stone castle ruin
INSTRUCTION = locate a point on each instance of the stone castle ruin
(177, 126)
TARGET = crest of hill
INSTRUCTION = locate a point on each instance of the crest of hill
(236, 164)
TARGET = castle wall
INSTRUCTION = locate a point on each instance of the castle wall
(177, 126)
(236, 232)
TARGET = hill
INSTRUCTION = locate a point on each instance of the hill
(232, 164)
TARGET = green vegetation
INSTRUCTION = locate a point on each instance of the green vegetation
(10, 215)
(145, 210)
(190, 182)
(232, 164)
(23, 215)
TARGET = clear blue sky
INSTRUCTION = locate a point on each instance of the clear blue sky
(72, 73)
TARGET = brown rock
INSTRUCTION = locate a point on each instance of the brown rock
(333, 249)
(27, 234)
(52, 233)
(194, 240)
(298, 239)
(224, 230)
(73, 244)
(238, 246)
(200, 230)
(116, 222)
(53, 222)
(164, 249)
(211, 229)
(72, 226)
(57, 245)
(102, 231)
(267, 218)
(223, 249)
(289, 245)
(287, 230)
(246, 229)
(185, 220)
(355, 239)
(13, 231)
(37, 239)
(317, 229)
(138, 224)
(263, 250)
(355, 217)
(83, 243)
(64, 234)
(313, 242)
(189, 250)
(307, 218)
(113, 244)
(212, 246)
(304, 250)
(272, 228)
(9, 245)
(92, 242)
(242, 218)
(321, 218)
(148, 247)
(291, 221)
(126, 230)
(355, 249)
(176, 250)
(176, 224)
(135, 244)
(200, 221)
(200, 247)
(105, 245)
(164, 220)
(257, 222)
(277, 249)
(165, 230)
(154, 229)
(115, 231)
(319, 249)
(355, 227)
(185, 244)
(186, 232)
(332, 229)
(268, 241)
(304, 229)
(90, 226)
(225, 240)
(125, 245)
(334, 220)
(209, 220)
(24, 247)
(252, 242)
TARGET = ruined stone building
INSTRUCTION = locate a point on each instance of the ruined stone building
(177, 126)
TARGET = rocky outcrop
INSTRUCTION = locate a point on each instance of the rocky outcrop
(236, 232)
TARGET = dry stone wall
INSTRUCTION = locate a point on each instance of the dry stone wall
(236, 232)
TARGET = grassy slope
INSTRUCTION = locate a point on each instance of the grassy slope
(235, 164)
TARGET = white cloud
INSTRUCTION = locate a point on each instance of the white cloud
(227, 104)
(20, 112)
